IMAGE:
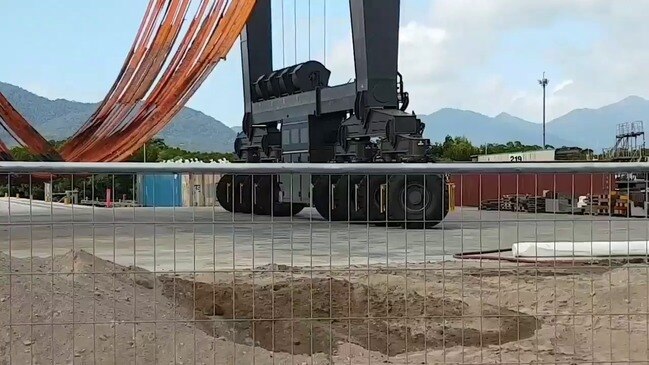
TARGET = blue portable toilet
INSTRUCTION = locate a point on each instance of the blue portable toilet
(162, 190)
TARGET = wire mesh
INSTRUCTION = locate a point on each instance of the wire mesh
(538, 265)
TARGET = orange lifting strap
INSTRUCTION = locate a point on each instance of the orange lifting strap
(127, 118)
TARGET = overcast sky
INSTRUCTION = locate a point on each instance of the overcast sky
(482, 55)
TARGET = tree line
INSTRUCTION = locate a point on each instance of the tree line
(461, 149)
(157, 150)
(124, 186)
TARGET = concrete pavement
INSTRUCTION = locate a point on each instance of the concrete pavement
(190, 239)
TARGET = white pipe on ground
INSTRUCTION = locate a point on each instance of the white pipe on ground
(581, 249)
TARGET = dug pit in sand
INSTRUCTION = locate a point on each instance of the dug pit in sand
(307, 316)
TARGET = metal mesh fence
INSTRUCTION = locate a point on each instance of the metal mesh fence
(126, 263)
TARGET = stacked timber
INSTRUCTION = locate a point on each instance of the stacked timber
(615, 204)
(622, 208)
(514, 203)
(536, 204)
(598, 205)
(550, 202)
(631, 195)
(490, 204)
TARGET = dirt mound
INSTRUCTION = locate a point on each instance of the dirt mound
(79, 308)
(76, 308)
(307, 316)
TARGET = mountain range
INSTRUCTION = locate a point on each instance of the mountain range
(59, 119)
(194, 130)
(586, 128)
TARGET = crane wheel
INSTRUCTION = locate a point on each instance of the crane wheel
(322, 194)
(243, 194)
(267, 203)
(224, 191)
(287, 209)
(369, 192)
(416, 201)
(262, 198)
(297, 208)
(352, 206)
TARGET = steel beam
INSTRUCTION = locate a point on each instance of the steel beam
(375, 30)
(256, 49)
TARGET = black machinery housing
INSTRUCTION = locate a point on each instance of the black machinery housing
(293, 115)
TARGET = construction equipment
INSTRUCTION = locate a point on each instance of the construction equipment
(293, 115)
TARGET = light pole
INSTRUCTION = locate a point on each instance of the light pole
(544, 83)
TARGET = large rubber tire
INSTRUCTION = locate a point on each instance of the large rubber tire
(224, 192)
(370, 194)
(340, 209)
(416, 202)
(242, 194)
(345, 199)
(287, 209)
(322, 195)
(264, 199)
(267, 203)
(297, 208)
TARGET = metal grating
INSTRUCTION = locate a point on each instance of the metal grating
(195, 284)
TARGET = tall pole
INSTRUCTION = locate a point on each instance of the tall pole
(544, 83)
(544, 144)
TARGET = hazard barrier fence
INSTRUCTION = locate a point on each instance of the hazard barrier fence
(121, 263)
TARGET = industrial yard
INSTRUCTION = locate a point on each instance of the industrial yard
(324, 221)
(470, 307)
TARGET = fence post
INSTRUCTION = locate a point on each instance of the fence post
(109, 202)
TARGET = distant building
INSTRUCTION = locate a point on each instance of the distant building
(529, 156)
(561, 154)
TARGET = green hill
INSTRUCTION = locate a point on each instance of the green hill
(59, 119)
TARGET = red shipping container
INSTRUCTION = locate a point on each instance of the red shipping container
(471, 189)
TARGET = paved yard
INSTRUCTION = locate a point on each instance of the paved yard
(206, 238)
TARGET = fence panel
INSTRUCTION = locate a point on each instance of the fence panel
(531, 263)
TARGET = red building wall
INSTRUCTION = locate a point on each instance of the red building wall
(470, 189)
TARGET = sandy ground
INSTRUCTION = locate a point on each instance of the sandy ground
(77, 308)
